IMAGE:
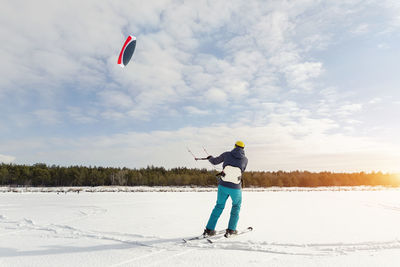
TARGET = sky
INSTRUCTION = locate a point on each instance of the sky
(306, 84)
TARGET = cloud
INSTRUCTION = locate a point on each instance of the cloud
(115, 99)
(392, 12)
(113, 115)
(183, 51)
(348, 109)
(300, 75)
(53, 51)
(195, 111)
(216, 95)
(259, 66)
(317, 41)
(6, 159)
(81, 116)
(360, 29)
(376, 100)
(306, 144)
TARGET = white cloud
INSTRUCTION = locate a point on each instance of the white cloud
(317, 41)
(234, 58)
(54, 47)
(335, 105)
(196, 111)
(392, 10)
(6, 159)
(305, 144)
(216, 95)
(348, 109)
(115, 99)
(360, 29)
(376, 100)
(330, 94)
(270, 30)
(112, 115)
(79, 115)
(254, 47)
(137, 113)
(300, 75)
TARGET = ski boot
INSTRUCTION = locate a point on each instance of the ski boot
(230, 232)
(208, 232)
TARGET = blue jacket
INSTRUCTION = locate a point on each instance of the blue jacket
(235, 158)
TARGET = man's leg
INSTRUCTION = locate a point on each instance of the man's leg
(236, 195)
(219, 207)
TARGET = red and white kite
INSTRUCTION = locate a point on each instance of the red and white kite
(127, 51)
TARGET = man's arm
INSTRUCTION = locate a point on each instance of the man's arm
(217, 160)
(245, 164)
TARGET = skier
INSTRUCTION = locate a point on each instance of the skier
(229, 185)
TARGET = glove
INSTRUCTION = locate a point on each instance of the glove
(209, 157)
(221, 174)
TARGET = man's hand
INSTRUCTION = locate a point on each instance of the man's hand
(209, 157)
(221, 174)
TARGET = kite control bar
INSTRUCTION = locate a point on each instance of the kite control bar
(196, 158)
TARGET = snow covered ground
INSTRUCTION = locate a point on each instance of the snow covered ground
(318, 227)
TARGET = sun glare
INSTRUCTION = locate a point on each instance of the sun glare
(397, 178)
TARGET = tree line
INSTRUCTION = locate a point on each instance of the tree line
(43, 175)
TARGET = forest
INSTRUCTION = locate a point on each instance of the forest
(49, 176)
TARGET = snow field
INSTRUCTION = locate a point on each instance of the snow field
(291, 228)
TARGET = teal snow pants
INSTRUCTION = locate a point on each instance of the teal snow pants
(223, 194)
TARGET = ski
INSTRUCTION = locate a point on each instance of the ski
(240, 232)
(200, 237)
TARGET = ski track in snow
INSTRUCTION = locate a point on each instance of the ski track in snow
(169, 245)
(328, 249)
(386, 206)
(138, 258)
(27, 224)
(312, 249)
(166, 250)
(167, 258)
(66, 231)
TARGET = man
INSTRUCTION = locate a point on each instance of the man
(229, 185)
